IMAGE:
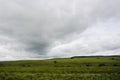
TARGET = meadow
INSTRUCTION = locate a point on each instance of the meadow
(74, 68)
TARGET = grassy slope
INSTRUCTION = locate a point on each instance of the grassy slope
(84, 68)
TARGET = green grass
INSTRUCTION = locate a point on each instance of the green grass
(83, 68)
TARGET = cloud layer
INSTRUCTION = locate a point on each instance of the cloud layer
(53, 28)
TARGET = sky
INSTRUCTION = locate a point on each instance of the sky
(42, 29)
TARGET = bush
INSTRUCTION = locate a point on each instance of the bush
(55, 62)
(115, 65)
(101, 64)
(88, 64)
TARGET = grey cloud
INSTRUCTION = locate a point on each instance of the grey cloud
(38, 24)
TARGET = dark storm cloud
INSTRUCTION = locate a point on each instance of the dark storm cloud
(41, 26)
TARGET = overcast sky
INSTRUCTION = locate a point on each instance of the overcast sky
(32, 29)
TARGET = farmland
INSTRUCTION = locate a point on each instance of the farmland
(75, 68)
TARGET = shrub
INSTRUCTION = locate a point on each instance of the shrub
(88, 65)
(101, 64)
(115, 65)
(55, 62)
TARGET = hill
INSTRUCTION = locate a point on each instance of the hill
(74, 68)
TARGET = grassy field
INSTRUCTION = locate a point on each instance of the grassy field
(75, 68)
